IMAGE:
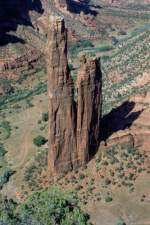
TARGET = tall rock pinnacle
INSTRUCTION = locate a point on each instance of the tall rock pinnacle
(73, 127)
(62, 107)
(89, 84)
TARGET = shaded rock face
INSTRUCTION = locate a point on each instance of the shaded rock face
(62, 107)
(16, 12)
(73, 127)
(89, 108)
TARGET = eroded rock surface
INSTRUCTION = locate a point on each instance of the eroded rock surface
(89, 108)
(73, 127)
(62, 107)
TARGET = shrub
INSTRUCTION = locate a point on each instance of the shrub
(39, 141)
(81, 176)
(107, 181)
(108, 199)
(2, 150)
(5, 174)
(6, 125)
(29, 172)
(45, 116)
(122, 32)
(121, 223)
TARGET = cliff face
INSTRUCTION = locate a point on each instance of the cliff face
(89, 108)
(15, 12)
(62, 108)
(17, 67)
(73, 133)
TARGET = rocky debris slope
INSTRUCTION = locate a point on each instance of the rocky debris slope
(73, 128)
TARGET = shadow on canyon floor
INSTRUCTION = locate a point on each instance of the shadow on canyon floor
(82, 6)
(118, 119)
(14, 13)
(8, 38)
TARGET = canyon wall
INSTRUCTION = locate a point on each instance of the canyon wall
(73, 126)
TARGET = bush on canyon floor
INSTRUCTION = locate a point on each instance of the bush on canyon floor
(34, 170)
(43, 208)
(2, 150)
(108, 199)
(5, 174)
(5, 125)
(39, 141)
(45, 116)
(121, 223)
(80, 45)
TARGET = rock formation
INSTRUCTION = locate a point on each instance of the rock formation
(89, 108)
(62, 3)
(19, 66)
(73, 128)
(62, 107)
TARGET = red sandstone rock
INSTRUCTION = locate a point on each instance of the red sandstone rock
(13, 68)
(73, 133)
(89, 84)
(62, 108)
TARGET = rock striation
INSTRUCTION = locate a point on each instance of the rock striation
(62, 107)
(17, 67)
(73, 127)
(89, 108)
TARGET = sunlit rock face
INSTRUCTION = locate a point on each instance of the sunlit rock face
(73, 126)
(62, 107)
(89, 108)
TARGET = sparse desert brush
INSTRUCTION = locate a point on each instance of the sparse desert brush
(39, 141)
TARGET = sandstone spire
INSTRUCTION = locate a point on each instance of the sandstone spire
(62, 107)
(73, 133)
(89, 108)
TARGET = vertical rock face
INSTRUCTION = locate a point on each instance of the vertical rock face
(73, 128)
(89, 108)
(62, 107)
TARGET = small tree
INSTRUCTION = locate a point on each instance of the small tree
(45, 116)
(39, 141)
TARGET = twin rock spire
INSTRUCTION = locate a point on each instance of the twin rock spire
(73, 126)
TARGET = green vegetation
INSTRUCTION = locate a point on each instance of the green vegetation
(47, 207)
(121, 223)
(108, 199)
(5, 130)
(2, 150)
(79, 46)
(34, 170)
(45, 116)
(39, 141)
(5, 171)
(5, 174)
(22, 94)
(129, 60)
(123, 163)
